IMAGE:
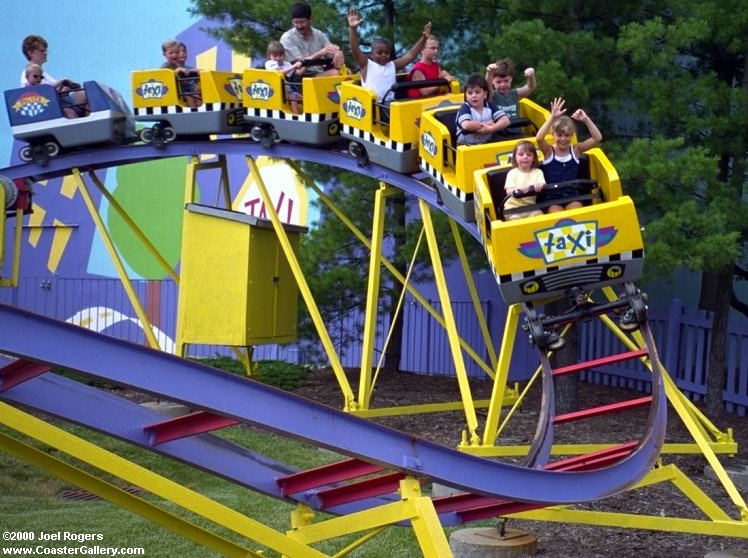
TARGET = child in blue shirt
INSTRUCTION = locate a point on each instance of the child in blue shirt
(561, 160)
(478, 118)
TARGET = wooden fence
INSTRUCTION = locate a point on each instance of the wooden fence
(683, 336)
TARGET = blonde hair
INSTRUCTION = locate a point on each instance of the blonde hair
(32, 67)
(171, 43)
(276, 47)
(564, 124)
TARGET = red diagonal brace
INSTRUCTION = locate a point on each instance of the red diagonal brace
(368, 488)
(496, 510)
(472, 507)
(464, 501)
(604, 410)
(326, 475)
(593, 460)
(604, 361)
(187, 425)
(19, 371)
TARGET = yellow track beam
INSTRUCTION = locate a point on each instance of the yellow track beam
(120, 497)
(631, 521)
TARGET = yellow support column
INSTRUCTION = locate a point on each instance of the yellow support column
(372, 295)
(491, 430)
(196, 166)
(15, 269)
(349, 398)
(454, 338)
(473, 292)
(2, 224)
(413, 507)
(426, 525)
(133, 227)
(116, 260)
(393, 270)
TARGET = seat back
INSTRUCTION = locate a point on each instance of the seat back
(403, 85)
(496, 180)
(449, 119)
(584, 167)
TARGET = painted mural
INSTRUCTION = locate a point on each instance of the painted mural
(62, 240)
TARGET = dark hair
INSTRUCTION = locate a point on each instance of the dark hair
(301, 10)
(380, 42)
(476, 81)
(32, 42)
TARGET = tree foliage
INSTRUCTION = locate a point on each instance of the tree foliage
(665, 81)
(336, 262)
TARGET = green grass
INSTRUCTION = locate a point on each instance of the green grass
(31, 499)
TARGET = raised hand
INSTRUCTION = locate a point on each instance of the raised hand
(557, 107)
(580, 115)
(354, 19)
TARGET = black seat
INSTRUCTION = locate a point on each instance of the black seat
(588, 189)
(515, 129)
(449, 119)
(496, 182)
(584, 167)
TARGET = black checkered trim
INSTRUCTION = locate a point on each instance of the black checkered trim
(282, 115)
(178, 109)
(464, 197)
(369, 137)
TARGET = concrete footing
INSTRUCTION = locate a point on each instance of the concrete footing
(442, 491)
(728, 554)
(486, 542)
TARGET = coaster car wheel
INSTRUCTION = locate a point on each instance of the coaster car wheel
(169, 133)
(359, 152)
(26, 154)
(146, 135)
(265, 135)
(53, 148)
